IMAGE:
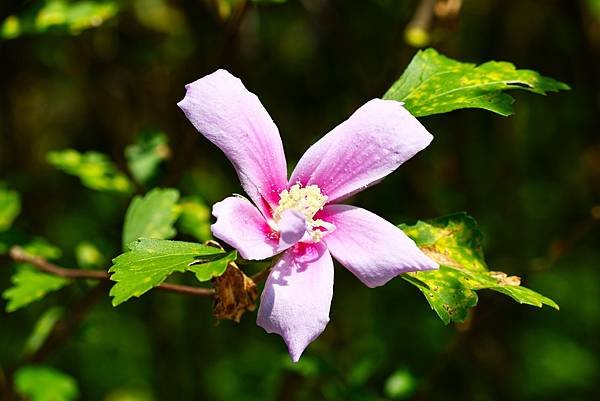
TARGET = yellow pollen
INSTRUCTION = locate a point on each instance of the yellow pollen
(308, 201)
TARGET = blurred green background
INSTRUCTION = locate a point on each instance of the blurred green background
(532, 181)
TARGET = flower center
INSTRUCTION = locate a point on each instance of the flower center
(308, 201)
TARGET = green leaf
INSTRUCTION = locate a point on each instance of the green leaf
(151, 216)
(400, 385)
(10, 206)
(194, 218)
(40, 247)
(433, 84)
(95, 170)
(88, 256)
(146, 156)
(455, 243)
(41, 383)
(206, 269)
(60, 16)
(42, 329)
(149, 262)
(30, 285)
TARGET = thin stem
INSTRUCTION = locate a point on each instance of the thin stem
(423, 15)
(18, 254)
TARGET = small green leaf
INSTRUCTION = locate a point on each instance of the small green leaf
(400, 385)
(194, 218)
(10, 206)
(455, 243)
(95, 170)
(88, 256)
(60, 16)
(149, 262)
(30, 285)
(40, 247)
(433, 84)
(41, 383)
(151, 216)
(145, 157)
(42, 329)
(212, 267)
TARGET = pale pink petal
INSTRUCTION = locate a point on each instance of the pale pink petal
(297, 296)
(373, 142)
(241, 225)
(370, 247)
(231, 117)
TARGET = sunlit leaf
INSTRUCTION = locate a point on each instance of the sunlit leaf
(40, 247)
(213, 267)
(194, 218)
(433, 84)
(400, 385)
(10, 206)
(95, 170)
(30, 285)
(151, 216)
(455, 243)
(60, 16)
(41, 383)
(88, 255)
(159, 15)
(146, 155)
(149, 262)
(42, 329)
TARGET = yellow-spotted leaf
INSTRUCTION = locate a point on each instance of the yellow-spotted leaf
(434, 84)
(455, 243)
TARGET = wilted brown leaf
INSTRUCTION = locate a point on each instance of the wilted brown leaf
(235, 293)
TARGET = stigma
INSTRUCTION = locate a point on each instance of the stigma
(307, 201)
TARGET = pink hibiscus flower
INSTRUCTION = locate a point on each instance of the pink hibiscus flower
(302, 217)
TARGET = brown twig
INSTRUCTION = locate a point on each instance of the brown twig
(18, 254)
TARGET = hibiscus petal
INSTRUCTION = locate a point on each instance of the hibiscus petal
(241, 225)
(373, 142)
(297, 296)
(232, 118)
(370, 247)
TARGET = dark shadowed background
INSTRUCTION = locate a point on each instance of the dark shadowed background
(532, 180)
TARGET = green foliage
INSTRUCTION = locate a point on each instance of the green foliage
(149, 262)
(194, 218)
(60, 16)
(95, 170)
(30, 285)
(207, 268)
(151, 216)
(400, 385)
(41, 383)
(42, 248)
(455, 243)
(146, 156)
(10, 206)
(268, 1)
(42, 329)
(89, 256)
(433, 84)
